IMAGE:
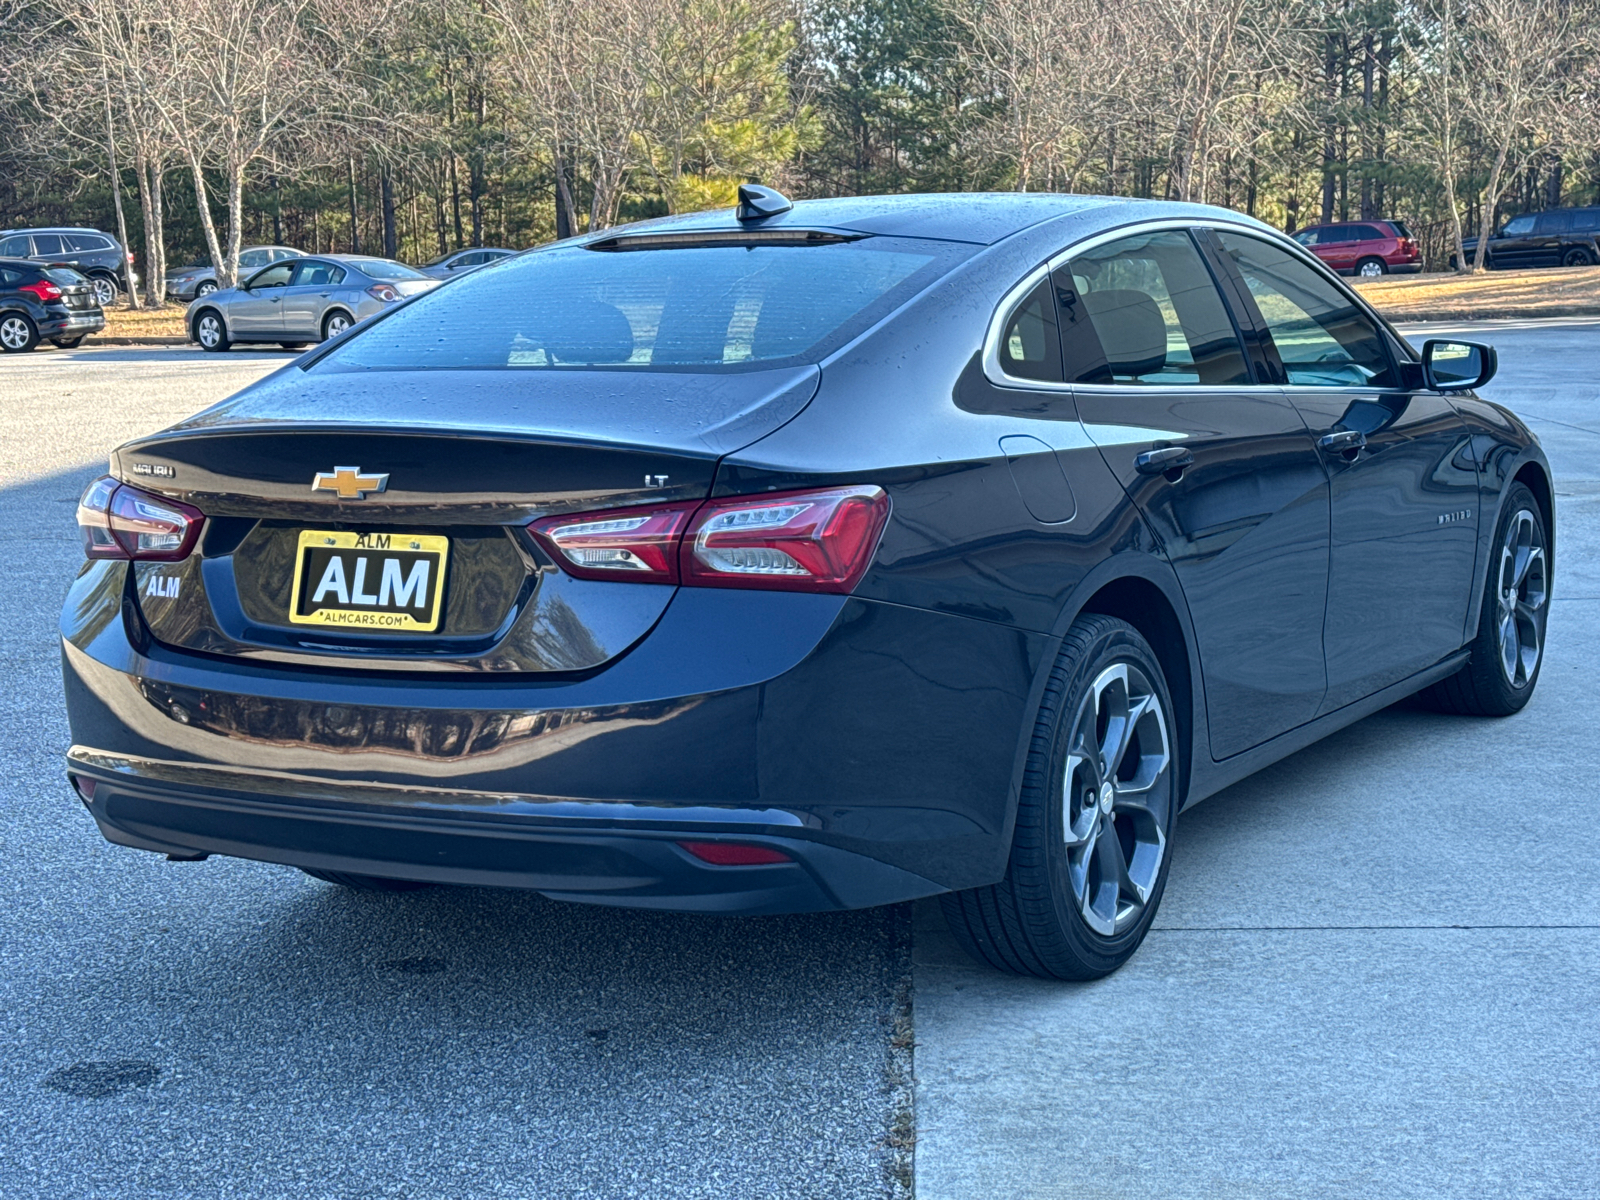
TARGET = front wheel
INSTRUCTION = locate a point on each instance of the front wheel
(1576, 257)
(18, 334)
(1091, 851)
(210, 331)
(1508, 650)
(335, 324)
(1371, 268)
(205, 289)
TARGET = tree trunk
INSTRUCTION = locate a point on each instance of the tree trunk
(208, 226)
(157, 238)
(391, 236)
(355, 216)
(277, 212)
(1369, 211)
(1491, 200)
(116, 194)
(235, 219)
(155, 278)
(1330, 143)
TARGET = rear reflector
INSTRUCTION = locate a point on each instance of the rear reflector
(810, 541)
(83, 785)
(118, 521)
(735, 854)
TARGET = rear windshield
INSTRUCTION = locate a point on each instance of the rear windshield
(382, 268)
(694, 307)
(1400, 229)
(64, 275)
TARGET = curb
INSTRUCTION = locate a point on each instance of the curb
(93, 340)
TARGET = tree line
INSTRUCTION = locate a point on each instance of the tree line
(412, 128)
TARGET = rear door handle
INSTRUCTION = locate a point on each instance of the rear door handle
(1159, 462)
(1342, 441)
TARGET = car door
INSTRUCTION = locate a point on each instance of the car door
(1220, 465)
(1403, 481)
(49, 248)
(305, 300)
(1550, 233)
(1513, 245)
(255, 311)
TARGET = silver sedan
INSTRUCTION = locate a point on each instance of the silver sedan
(304, 300)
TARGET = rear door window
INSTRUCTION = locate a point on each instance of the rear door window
(87, 241)
(1144, 310)
(315, 273)
(1586, 220)
(1554, 223)
(47, 245)
(1370, 233)
(1322, 337)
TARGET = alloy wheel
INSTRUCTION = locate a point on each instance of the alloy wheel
(336, 325)
(205, 289)
(14, 333)
(1117, 795)
(1576, 258)
(208, 330)
(1521, 589)
(104, 290)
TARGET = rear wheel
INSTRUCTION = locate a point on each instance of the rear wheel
(366, 883)
(18, 334)
(68, 343)
(334, 324)
(210, 331)
(105, 289)
(1371, 268)
(293, 345)
(1090, 855)
(1576, 257)
(1508, 651)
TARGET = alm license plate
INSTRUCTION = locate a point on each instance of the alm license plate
(369, 581)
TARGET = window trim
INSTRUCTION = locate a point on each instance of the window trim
(1018, 292)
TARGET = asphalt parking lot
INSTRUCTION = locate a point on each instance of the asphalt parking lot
(1374, 974)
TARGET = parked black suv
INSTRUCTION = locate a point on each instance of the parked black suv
(97, 255)
(53, 303)
(1557, 237)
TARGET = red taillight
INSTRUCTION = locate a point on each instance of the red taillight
(812, 541)
(819, 541)
(119, 521)
(640, 544)
(382, 291)
(735, 854)
(43, 288)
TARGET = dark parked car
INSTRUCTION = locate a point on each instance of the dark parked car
(809, 557)
(460, 262)
(38, 303)
(1365, 248)
(1560, 237)
(192, 282)
(97, 255)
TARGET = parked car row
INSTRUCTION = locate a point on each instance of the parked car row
(99, 257)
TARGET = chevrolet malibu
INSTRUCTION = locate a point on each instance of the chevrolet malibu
(802, 557)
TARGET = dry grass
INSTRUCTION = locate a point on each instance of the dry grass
(163, 322)
(1551, 292)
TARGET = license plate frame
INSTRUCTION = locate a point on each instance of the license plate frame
(359, 610)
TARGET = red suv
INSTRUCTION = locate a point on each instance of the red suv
(1366, 248)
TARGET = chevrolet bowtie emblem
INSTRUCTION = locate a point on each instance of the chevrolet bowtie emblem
(348, 482)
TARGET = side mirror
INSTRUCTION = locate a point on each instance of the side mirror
(1457, 366)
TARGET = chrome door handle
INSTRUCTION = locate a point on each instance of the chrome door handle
(1159, 462)
(1342, 441)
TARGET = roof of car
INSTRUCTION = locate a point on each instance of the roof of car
(54, 229)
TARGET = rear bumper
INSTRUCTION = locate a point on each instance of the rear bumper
(72, 326)
(1405, 268)
(876, 745)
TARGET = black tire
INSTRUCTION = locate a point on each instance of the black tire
(366, 883)
(1577, 257)
(331, 327)
(1036, 921)
(106, 289)
(293, 345)
(68, 343)
(1371, 268)
(18, 333)
(210, 330)
(1485, 686)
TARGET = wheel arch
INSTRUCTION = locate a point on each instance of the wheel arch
(1532, 475)
(332, 311)
(194, 321)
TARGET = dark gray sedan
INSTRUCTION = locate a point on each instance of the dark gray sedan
(304, 300)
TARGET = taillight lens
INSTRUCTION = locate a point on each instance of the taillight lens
(119, 521)
(735, 854)
(382, 291)
(43, 288)
(812, 541)
(640, 544)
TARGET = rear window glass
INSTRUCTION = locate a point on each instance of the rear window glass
(88, 241)
(382, 268)
(1400, 229)
(685, 307)
(64, 275)
(1586, 218)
